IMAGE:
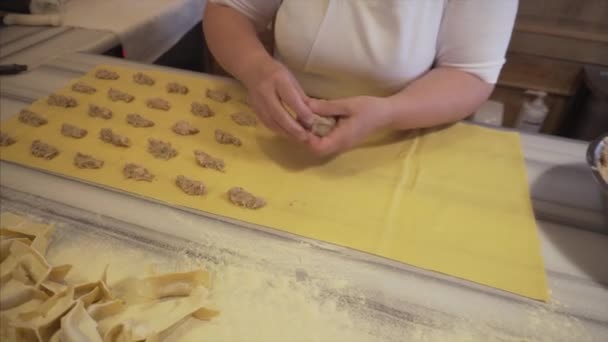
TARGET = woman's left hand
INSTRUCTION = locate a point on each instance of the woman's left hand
(359, 117)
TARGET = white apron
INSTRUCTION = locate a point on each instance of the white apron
(341, 48)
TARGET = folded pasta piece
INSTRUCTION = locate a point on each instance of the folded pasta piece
(93, 292)
(174, 284)
(21, 303)
(32, 265)
(7, 266)
(162, 286)
(56, 337)
(24, 264)
(14, 294)
(15, 226)
(140, 321)
(7, 331)
(77, 326)
(6, 234)
(118, 333)
(41, 241)
(52, 287)
(35, 299)
(41, 324)
(55, 283)
(92, 296)
(99, 311)
(30, 229)
(5, 246)
(58, 273)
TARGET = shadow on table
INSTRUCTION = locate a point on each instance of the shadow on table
(582, 234)
(297, 157)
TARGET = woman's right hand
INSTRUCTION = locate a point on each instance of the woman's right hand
(272, 87)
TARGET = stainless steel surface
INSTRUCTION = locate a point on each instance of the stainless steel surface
(594, 153)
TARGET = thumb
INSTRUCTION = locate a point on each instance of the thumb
(329, 108)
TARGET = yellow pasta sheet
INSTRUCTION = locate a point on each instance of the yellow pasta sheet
(453, 201)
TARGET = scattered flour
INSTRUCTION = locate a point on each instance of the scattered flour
(261, 302)
(255, 304)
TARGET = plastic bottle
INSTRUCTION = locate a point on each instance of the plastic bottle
(532, 113)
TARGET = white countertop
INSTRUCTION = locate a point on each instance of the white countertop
(571, 216)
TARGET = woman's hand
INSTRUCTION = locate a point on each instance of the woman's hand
(359, 117)
(270, 84)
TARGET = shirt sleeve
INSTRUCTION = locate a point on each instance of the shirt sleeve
(474, 36)
(260, 12)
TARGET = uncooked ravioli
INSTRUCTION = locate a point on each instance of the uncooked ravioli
(137, 120)
(43, 150)
(6, 140)
(107, 135)
(96, 111)
(32, 118)
(242, 198)
(201, 109)
(158, 103)
(177, 88)
(105, 74)
(86, 161)
(323, 125)
(161, 149)
(226, 138)
(209, 162)
(81, 87)
(190, 186)
(61, 101)
(137, 172)
(183, 127)
(72, 131)
(118, 95)
(244, 119)
(143, 79)
(218, 95)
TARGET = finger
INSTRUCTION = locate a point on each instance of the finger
(284, 120)
(262, 114)
(329, 108)
(294, 101)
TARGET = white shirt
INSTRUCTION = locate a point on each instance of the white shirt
(341, 48)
